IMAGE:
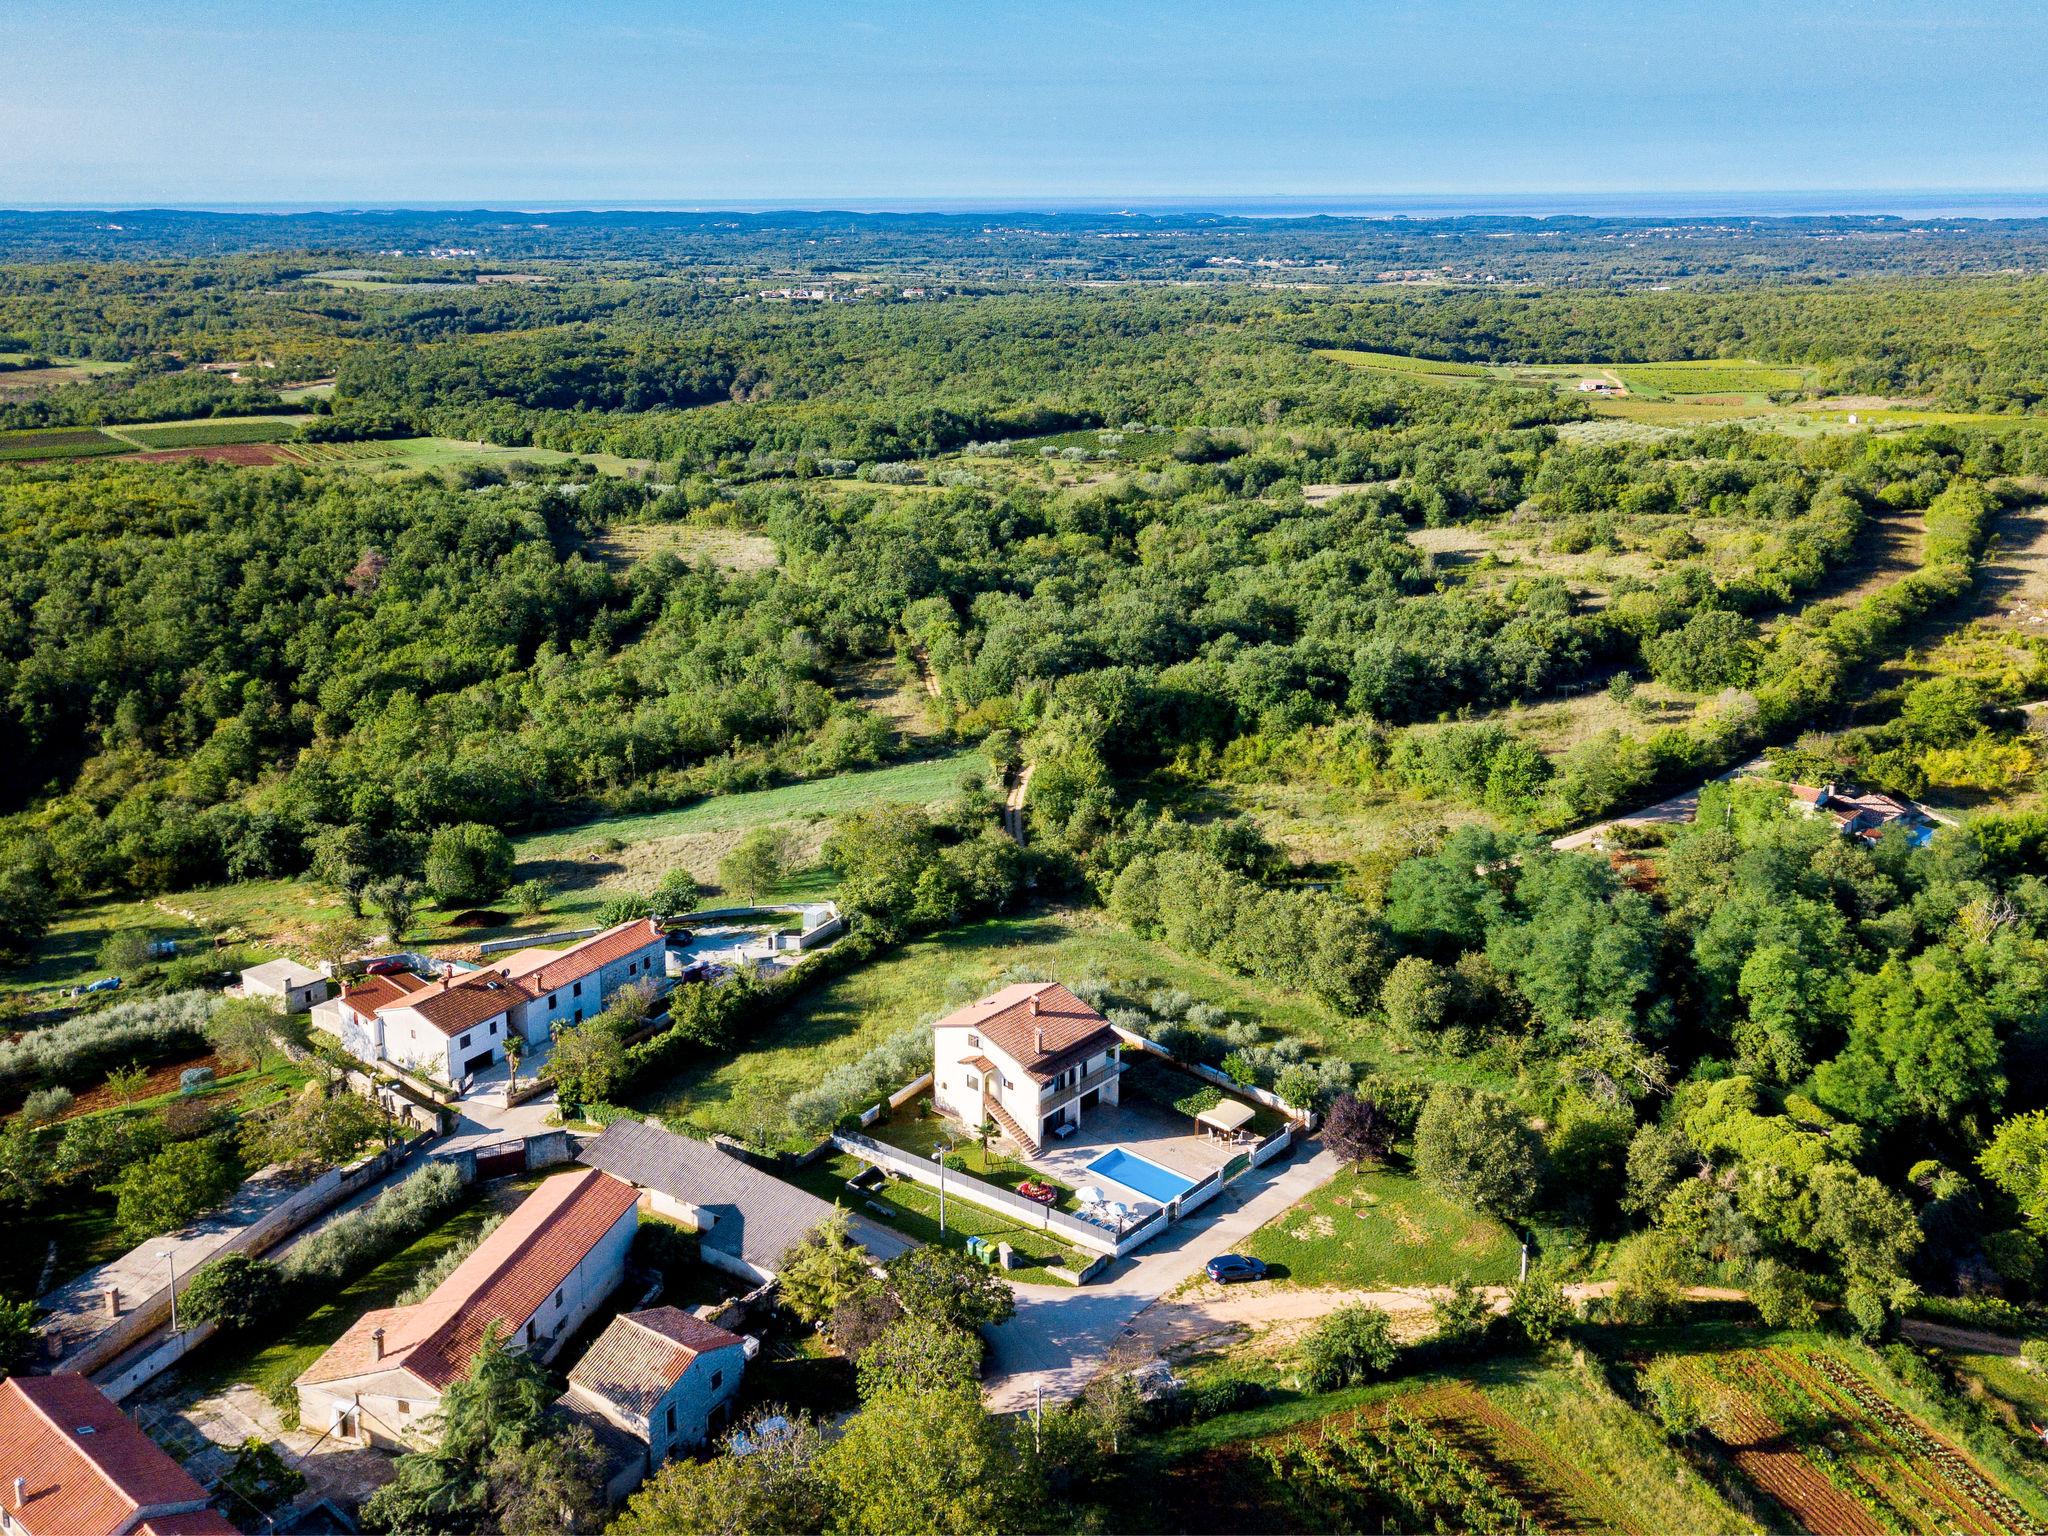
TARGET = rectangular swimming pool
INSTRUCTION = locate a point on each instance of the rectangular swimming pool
(1141, 1174)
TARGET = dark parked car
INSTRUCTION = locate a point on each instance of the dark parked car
(1229, 1268)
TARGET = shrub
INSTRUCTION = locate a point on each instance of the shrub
(1347, 1349)
(393, 1219)
(854, 1085)
(1220, 1395)
(235, 1291)
(623, 909)
(45, 1105)
(468, 862)
(530, 897)
(79, 1050)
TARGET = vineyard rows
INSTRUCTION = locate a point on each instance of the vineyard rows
(1393, 1473)
(1834, 1451)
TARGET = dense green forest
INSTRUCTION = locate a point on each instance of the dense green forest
(1144, 538)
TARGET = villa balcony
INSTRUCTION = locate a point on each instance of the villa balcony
(1051, 1098)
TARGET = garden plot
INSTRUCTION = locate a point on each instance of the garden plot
(1839, 1456)
(1445, 1457)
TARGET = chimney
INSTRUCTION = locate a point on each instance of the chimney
(1038, 1041)
(376, 1343)
(113, 1301)
(1034, 1005)
(17, 1492)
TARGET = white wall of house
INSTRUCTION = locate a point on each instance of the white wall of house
(958, 1088)
(388, 1405)
(361, 1035)
(413, 1042)
(584, 998)
(395, 1400)
(597, 1275)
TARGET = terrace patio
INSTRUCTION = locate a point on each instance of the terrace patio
(1151, 1131)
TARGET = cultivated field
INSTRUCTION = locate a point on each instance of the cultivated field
(59, 443)
(1542, 1445)
(1839, 1456)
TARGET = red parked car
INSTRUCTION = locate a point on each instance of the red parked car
(386, 967)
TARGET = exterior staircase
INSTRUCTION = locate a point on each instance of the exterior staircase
(1011, 1128)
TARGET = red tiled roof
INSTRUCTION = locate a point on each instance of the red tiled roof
(1037, 1042)
(504, 1281)
(463, 1002)
(594, 953)
(370, 993)
(640, 1355)
(85, 1469)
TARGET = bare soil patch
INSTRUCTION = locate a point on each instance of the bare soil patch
(247, 455)
(162, 1080)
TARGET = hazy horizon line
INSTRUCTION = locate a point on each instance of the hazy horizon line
(1971, 202)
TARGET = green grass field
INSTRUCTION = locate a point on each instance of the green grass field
(1382, 1227)
(912, 783)
(745, 1094)
(405, 455)
(1396, 362)
(1712, 376)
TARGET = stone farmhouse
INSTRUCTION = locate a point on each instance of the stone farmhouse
(655, 1382)
(1033, 1057)
(457, 1025)
(535, 1279)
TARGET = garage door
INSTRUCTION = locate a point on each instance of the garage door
(477, 1063)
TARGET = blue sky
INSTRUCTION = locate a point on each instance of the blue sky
(621, 101)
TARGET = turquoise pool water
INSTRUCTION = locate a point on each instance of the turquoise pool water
(1141, 1174)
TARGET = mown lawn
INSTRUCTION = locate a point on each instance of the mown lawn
(1383, 1227)
(915, 1213)
(745, 1093)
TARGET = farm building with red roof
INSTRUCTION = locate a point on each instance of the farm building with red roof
(534, 1280)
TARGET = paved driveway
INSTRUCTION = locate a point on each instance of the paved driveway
(1060, 1338)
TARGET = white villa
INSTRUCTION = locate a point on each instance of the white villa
(1033, 1057)
(458, 1025)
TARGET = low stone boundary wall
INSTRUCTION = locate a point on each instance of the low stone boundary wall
(86, 1339)
(538, 941)
(965, 1186)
